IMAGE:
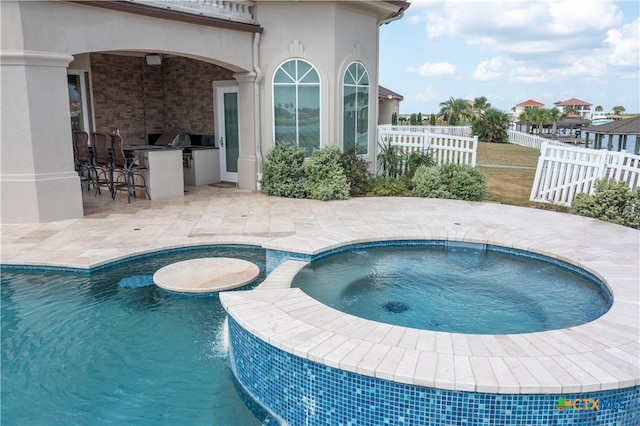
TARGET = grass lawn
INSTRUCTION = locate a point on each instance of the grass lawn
(505, 185)
(507, 154)
(509, 186)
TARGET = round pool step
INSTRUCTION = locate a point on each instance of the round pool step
(206, 275)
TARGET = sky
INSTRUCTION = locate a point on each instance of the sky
(513, 50)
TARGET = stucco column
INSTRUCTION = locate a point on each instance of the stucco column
(247, 161)
(38, 182)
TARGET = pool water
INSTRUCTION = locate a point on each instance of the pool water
(78, 348)
(459, 290)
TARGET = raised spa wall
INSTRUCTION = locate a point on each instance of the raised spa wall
(279, 359)
(297, 391)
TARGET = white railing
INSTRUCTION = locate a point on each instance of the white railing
(565, 171)
(234, 10)
(529, 140)
(441, 130)
(445, 148)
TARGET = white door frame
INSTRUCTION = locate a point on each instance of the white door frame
(220, 91)
(82, 76)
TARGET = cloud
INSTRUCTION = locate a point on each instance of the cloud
(437, 69)
(547, 26)
(427, 95)
(489, 70)
(624, 44)
(414, 19)
(539, 41)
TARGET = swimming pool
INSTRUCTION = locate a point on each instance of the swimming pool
(79, 349)
(456, 288)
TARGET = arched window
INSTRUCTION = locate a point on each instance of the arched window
(355, 123)
(296, 105)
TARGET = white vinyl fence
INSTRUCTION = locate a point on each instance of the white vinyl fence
(529, 140)
(565, 171)
(441, 130)
(445, 148)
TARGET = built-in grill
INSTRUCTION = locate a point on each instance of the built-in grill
(205, 161)
(177, 140)
(183, 141)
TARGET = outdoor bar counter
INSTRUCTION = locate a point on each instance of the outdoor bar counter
(164, 174)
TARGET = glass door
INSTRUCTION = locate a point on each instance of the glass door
(78, 100)
(229, 133)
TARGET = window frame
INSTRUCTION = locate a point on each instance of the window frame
(296, 85)
(367, 106)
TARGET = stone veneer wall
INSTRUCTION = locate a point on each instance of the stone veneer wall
(139, 99)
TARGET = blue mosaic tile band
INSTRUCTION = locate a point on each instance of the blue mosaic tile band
(301, 392)
(276, 257)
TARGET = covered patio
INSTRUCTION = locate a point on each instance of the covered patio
(622, 129)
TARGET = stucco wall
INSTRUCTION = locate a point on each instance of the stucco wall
(336, 36)
(83, 29)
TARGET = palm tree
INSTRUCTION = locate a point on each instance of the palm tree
(554, 115)
(538, 118)
(455, 111)
(491, 126)
(525, 118)
(480, 105)
(599, 108)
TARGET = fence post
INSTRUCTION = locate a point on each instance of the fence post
(539, 168)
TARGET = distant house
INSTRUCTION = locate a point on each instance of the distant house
(528, 104)
(581, 108)
(388, 103)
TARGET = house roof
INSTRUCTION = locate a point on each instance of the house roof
(629, 126)
(385, 93)
(530, 102)
(572, 102)
(572, 121)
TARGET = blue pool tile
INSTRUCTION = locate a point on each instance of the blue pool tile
(298, 391)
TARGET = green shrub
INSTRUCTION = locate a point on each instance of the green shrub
(391, 159)
(463, 182)
(386, 186)
(356, 171)
(632, 210)
(449, 180)
(283, 172)
(326, 179)
(427, 182)
(611, 201)
(417, 159)
(394, 161)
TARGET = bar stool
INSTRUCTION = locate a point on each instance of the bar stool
(102, 161)
(84, 159)
(132, 169)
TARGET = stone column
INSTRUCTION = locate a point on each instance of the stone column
(38, 182)
(247, 161)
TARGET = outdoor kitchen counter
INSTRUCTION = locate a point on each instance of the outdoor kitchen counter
(164, 174)
(201, 165)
